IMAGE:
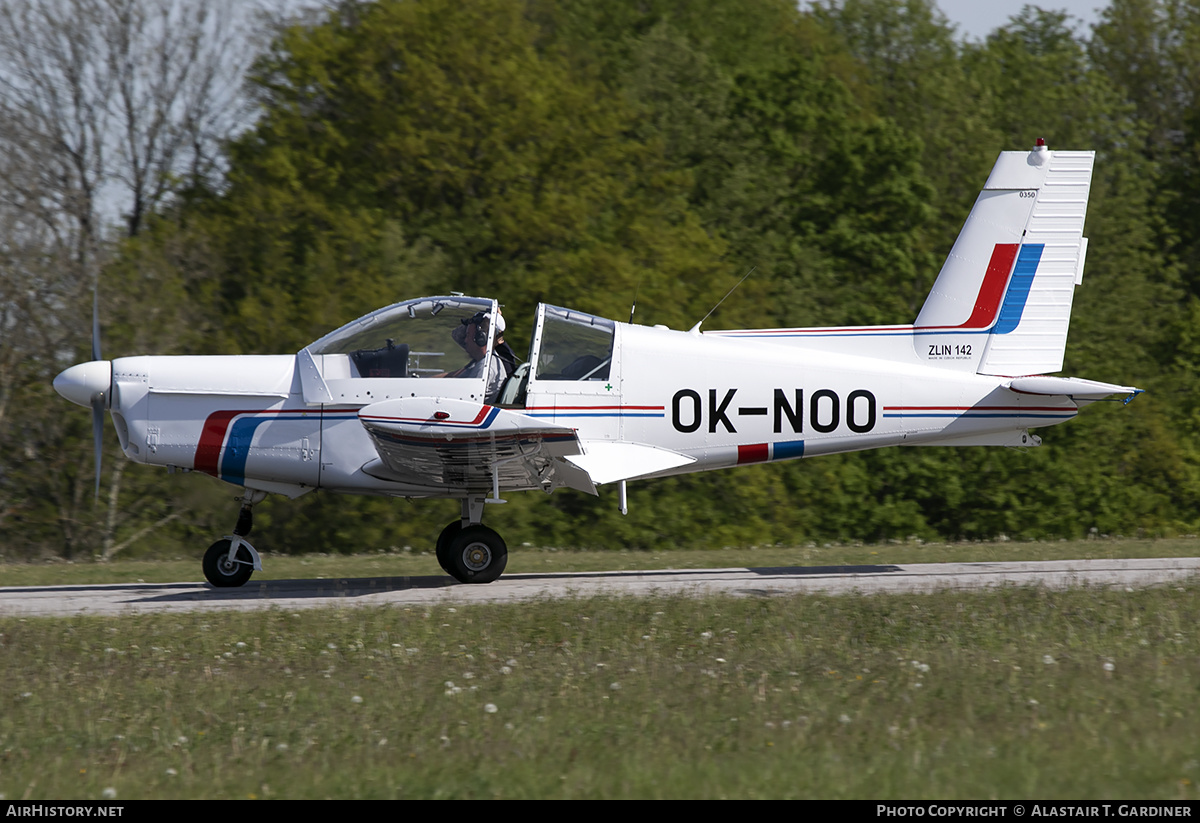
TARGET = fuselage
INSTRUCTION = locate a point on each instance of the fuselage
(722, 399)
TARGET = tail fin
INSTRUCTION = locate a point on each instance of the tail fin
(1004, 295)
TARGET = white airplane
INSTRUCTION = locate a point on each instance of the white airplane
(362, 411)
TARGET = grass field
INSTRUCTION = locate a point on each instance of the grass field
(1009, 693)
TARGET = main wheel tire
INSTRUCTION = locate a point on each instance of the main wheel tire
(476, 555)
(443, 545)
(222, 573)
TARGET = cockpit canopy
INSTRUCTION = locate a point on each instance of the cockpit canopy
(415, 338)
(442, 337)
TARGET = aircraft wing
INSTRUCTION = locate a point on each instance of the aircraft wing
(462, 446)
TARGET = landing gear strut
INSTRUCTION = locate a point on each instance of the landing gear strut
(469, 551)
(231, 560)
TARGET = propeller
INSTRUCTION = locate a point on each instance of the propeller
(98, 398)
(89, 385)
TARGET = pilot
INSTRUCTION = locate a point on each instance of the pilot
(472, 335)
(501, 347)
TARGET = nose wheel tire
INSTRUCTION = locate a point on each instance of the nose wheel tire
(475, 554)
(223, 573)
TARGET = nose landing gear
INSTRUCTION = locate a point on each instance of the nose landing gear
(230, 561)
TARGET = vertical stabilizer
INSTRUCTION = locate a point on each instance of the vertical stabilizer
(1001, 304)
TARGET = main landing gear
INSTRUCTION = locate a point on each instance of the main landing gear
(231, 560)
(469, 551)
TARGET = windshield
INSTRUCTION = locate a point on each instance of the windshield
(417, 338)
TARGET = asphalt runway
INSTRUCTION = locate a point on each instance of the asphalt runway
(147, 598)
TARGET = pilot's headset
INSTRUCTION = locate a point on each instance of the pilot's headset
(480, 321)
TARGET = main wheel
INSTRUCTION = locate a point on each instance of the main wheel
(220, 571)
(476, 555)
(443, 543)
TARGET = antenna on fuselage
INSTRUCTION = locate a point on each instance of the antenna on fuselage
(633, 306)
(696, 328)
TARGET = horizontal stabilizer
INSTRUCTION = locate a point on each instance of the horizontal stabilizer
(1074, 387)
(607, 462)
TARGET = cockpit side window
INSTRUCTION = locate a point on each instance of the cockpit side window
(574, 346)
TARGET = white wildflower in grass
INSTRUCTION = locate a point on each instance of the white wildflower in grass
(240, 644)
(109, 793)
(182, 740)
(452, 611)
(490, 708)
(505, 670)
(1048, 660)
(845, 718)
(356, 699)
(468, 675)
(281, 747)
(171, 772)
(720, 659)
(512, 661)
(1108, 666)
(331, 645)
(616, 687)
(706, 635)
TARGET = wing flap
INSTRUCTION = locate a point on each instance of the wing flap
(608, 461)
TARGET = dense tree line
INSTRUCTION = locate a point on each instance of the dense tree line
(580, 152)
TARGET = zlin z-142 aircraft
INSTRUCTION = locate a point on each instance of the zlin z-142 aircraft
(363, 411)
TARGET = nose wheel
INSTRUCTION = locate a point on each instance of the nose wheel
(224, 571)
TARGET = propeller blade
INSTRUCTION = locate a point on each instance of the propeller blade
(96, 325)
(98, 434)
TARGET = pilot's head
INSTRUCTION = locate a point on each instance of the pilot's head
(472, 333)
